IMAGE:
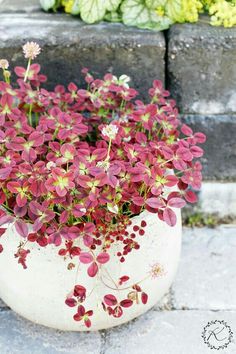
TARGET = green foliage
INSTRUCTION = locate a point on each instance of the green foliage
(50, 4)
(223, 13)
(149, 14)
(200, 220)
(183, 10)
(75, 10)
(136, 13)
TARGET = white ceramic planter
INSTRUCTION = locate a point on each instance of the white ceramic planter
(38, 293)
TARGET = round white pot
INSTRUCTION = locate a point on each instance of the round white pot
(38, 293)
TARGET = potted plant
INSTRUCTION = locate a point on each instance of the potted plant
(92, 182)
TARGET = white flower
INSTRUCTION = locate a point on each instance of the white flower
(4, 64)
(113, 208)
(110, 131)
(157, 270)
(103, 164)
(124, 79)
(31, 50)
(50, 165)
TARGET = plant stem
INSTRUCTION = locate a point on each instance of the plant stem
(27, 70)
(30, 114)
(108, 152)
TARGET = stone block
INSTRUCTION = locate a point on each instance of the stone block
(167, 332)
(18, 336)
(219, 160)
(18, 6)
(202, 68)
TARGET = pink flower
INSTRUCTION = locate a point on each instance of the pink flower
(61, 181)
(21, 190)
(34, 140)
(43, 214)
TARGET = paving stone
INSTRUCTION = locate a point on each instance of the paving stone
(2, 305)
(19, 6)
(167, 332)
(202, 68)
(219, 161)
(18, 336)
(206, 278)
(69, 45)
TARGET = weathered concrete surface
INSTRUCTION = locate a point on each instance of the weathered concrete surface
(173, 332)
(69, 45)
(219, 161)
(18, 336)
(202, 68)
(19, 6)
(217, 198)
(206, 278)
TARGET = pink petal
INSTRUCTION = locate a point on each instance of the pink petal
(154, 203)
(110, 300)
(191, 197)
(169, 217)
(126, 303)
(21, 228)
(92, 269)
(71, 302)
(103, 258)
(144, 298)
(85, 258)
(186, 130)
(6, 219)
(176, 202)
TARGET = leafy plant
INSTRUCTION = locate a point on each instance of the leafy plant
(200, 220)
(149, 14)
(76, 165)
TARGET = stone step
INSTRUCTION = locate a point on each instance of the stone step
(204, 290)
(219, 161)
(15, 6)
(217, 199)
(202, 68)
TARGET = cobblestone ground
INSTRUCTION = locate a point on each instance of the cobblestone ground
(204, 291)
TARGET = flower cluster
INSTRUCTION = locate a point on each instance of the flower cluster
(77, 164)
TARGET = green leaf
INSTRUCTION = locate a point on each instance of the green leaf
(174, 10)
(94, 10)
(154, 4)
(113, 16)
(112, 5)
(75, 8)
(136, 13)
(48, 4)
